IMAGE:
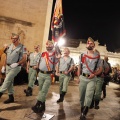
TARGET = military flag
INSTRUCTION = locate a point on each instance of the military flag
(57, 24)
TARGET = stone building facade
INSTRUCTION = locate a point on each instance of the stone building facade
(29, 18)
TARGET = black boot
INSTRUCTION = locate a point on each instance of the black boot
(92, 104)
(39, 107)
(61, 97)
(43, 106)
(36, 83)
(84, 113)
(9, 100)
(96, 104)
(82, 108)
(1, 94)
(28, 91)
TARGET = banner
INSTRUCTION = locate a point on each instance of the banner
(57, 24)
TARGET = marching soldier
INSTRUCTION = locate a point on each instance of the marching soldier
(98, 87)
(107, 77)
(87, 76)
(32, 68)
(16, 55)
(46, 66)
(63, 69)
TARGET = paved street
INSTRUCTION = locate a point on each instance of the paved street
(68, 110)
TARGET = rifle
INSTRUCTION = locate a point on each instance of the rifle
(57, 50)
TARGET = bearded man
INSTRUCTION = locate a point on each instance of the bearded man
(88, 63)
(46, 65)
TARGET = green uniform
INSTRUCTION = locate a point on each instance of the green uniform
(45, 75)
(98, 89)
(87, 86)
(13, 56)
(32, 72)
(106, 78)
(63, 78)
(99, 83)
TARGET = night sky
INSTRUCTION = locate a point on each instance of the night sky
(99, 19)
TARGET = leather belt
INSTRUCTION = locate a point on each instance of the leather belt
(11, 64)
(98, 75)
(8, 64)
(46, 72)
(31, 66)
(86, 75)
(62, 72)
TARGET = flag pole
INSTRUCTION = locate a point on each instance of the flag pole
(57, 24)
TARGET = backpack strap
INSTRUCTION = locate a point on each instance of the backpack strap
(81, 65)
(94, 67)
(40, 58)
(70, 64)
(20, 53)
(96, 64)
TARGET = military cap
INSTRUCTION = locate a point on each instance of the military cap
(14, 35)
(90, 40)
(37, 46)
(106, 57)
(49, 42)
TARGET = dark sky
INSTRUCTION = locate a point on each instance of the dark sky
(99, 19)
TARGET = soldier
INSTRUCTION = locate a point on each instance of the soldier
(98, 87)
(63, 69)
(87, 76)
(46, 67)
(32, 67)
(107, 77)
(16, 55)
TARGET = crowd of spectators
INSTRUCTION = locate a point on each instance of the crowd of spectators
(115, 75)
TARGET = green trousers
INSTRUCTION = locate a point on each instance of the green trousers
(98, 88)
(9, 79)
(86, 88)
(44, 84)
(63, 81)
(32, 77)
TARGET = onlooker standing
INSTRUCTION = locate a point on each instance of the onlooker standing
(115, 74)
(2, 63)
(118, 76)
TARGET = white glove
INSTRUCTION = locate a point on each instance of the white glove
(14, 65)
(3, 69)
(37, 78)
